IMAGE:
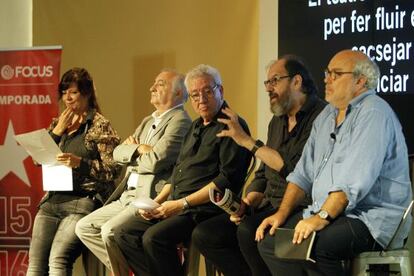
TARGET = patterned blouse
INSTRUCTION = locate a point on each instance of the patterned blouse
(94, 141)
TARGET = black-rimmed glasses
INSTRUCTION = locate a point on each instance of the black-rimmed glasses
(334, 74)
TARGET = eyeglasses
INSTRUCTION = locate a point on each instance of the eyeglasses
(207, 92)
(334, 75)
(275, 80)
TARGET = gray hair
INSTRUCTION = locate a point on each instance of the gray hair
(178, 82)
(203, 70)
(370, 70)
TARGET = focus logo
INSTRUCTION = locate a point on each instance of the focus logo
(34, 71)
(7, 72)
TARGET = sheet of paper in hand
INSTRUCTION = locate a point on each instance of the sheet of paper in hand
(145, 203)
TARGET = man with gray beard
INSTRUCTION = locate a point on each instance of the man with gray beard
(293, 101)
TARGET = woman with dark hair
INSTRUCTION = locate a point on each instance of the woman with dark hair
(87, 141)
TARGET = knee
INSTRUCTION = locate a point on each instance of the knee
(82, 226)
(148, 240)
(200, 237)
(266, 247)
(108, 232)
(245, 233)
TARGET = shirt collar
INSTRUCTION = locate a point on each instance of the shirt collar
(219, 114)
(160, 116)
(90, 115)
(307, 106)
(355, 102)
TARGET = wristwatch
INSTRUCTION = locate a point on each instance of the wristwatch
(186, 205)
(324, 215)
(258, 144)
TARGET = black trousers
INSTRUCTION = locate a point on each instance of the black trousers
(230, 247)
(342, 239)
(150, 247)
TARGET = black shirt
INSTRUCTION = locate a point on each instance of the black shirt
(289, 145)
(206, 158)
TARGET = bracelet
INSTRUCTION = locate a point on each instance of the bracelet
(186, 205)
(258, 144)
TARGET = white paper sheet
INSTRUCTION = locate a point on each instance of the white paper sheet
(43, 150)
(133, 180)
(40, 146)
(57, 178)
(145, 203)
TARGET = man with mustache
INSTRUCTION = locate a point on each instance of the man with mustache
(293, 101)
(355, 167)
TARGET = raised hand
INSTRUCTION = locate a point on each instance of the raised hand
(235, 130)
(64, 122)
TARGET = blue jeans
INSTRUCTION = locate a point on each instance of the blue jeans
(54, 246)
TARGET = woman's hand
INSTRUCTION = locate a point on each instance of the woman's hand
(65, 120)
(69, 159)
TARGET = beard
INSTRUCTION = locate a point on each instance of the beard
(282, 106)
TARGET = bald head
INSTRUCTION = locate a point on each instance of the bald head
(351, 56)
(350, 73)
(362, 66)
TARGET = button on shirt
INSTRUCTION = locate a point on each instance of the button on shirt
(365, 157)
(289, 145)
(206, 158)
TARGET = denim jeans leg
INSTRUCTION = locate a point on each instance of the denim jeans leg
(66, 246)
(44, 229)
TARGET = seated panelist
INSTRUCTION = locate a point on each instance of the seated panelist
(149, 243)
(151, 153)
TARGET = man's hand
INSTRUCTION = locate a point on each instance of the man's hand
(237, 219)
(130, 140)
(306, 226)
(69, 159)
(273, 221)
(144, 148)
(235, 130)
(168, 209)
(146, 215)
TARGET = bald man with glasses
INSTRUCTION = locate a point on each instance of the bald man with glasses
(355, 167)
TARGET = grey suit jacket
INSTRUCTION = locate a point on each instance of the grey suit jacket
(155, 167)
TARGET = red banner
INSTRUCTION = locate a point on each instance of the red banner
(28, 101)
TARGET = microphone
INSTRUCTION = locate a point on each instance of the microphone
(333, 136)
(153, 126)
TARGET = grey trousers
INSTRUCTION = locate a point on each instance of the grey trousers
(96, 232)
